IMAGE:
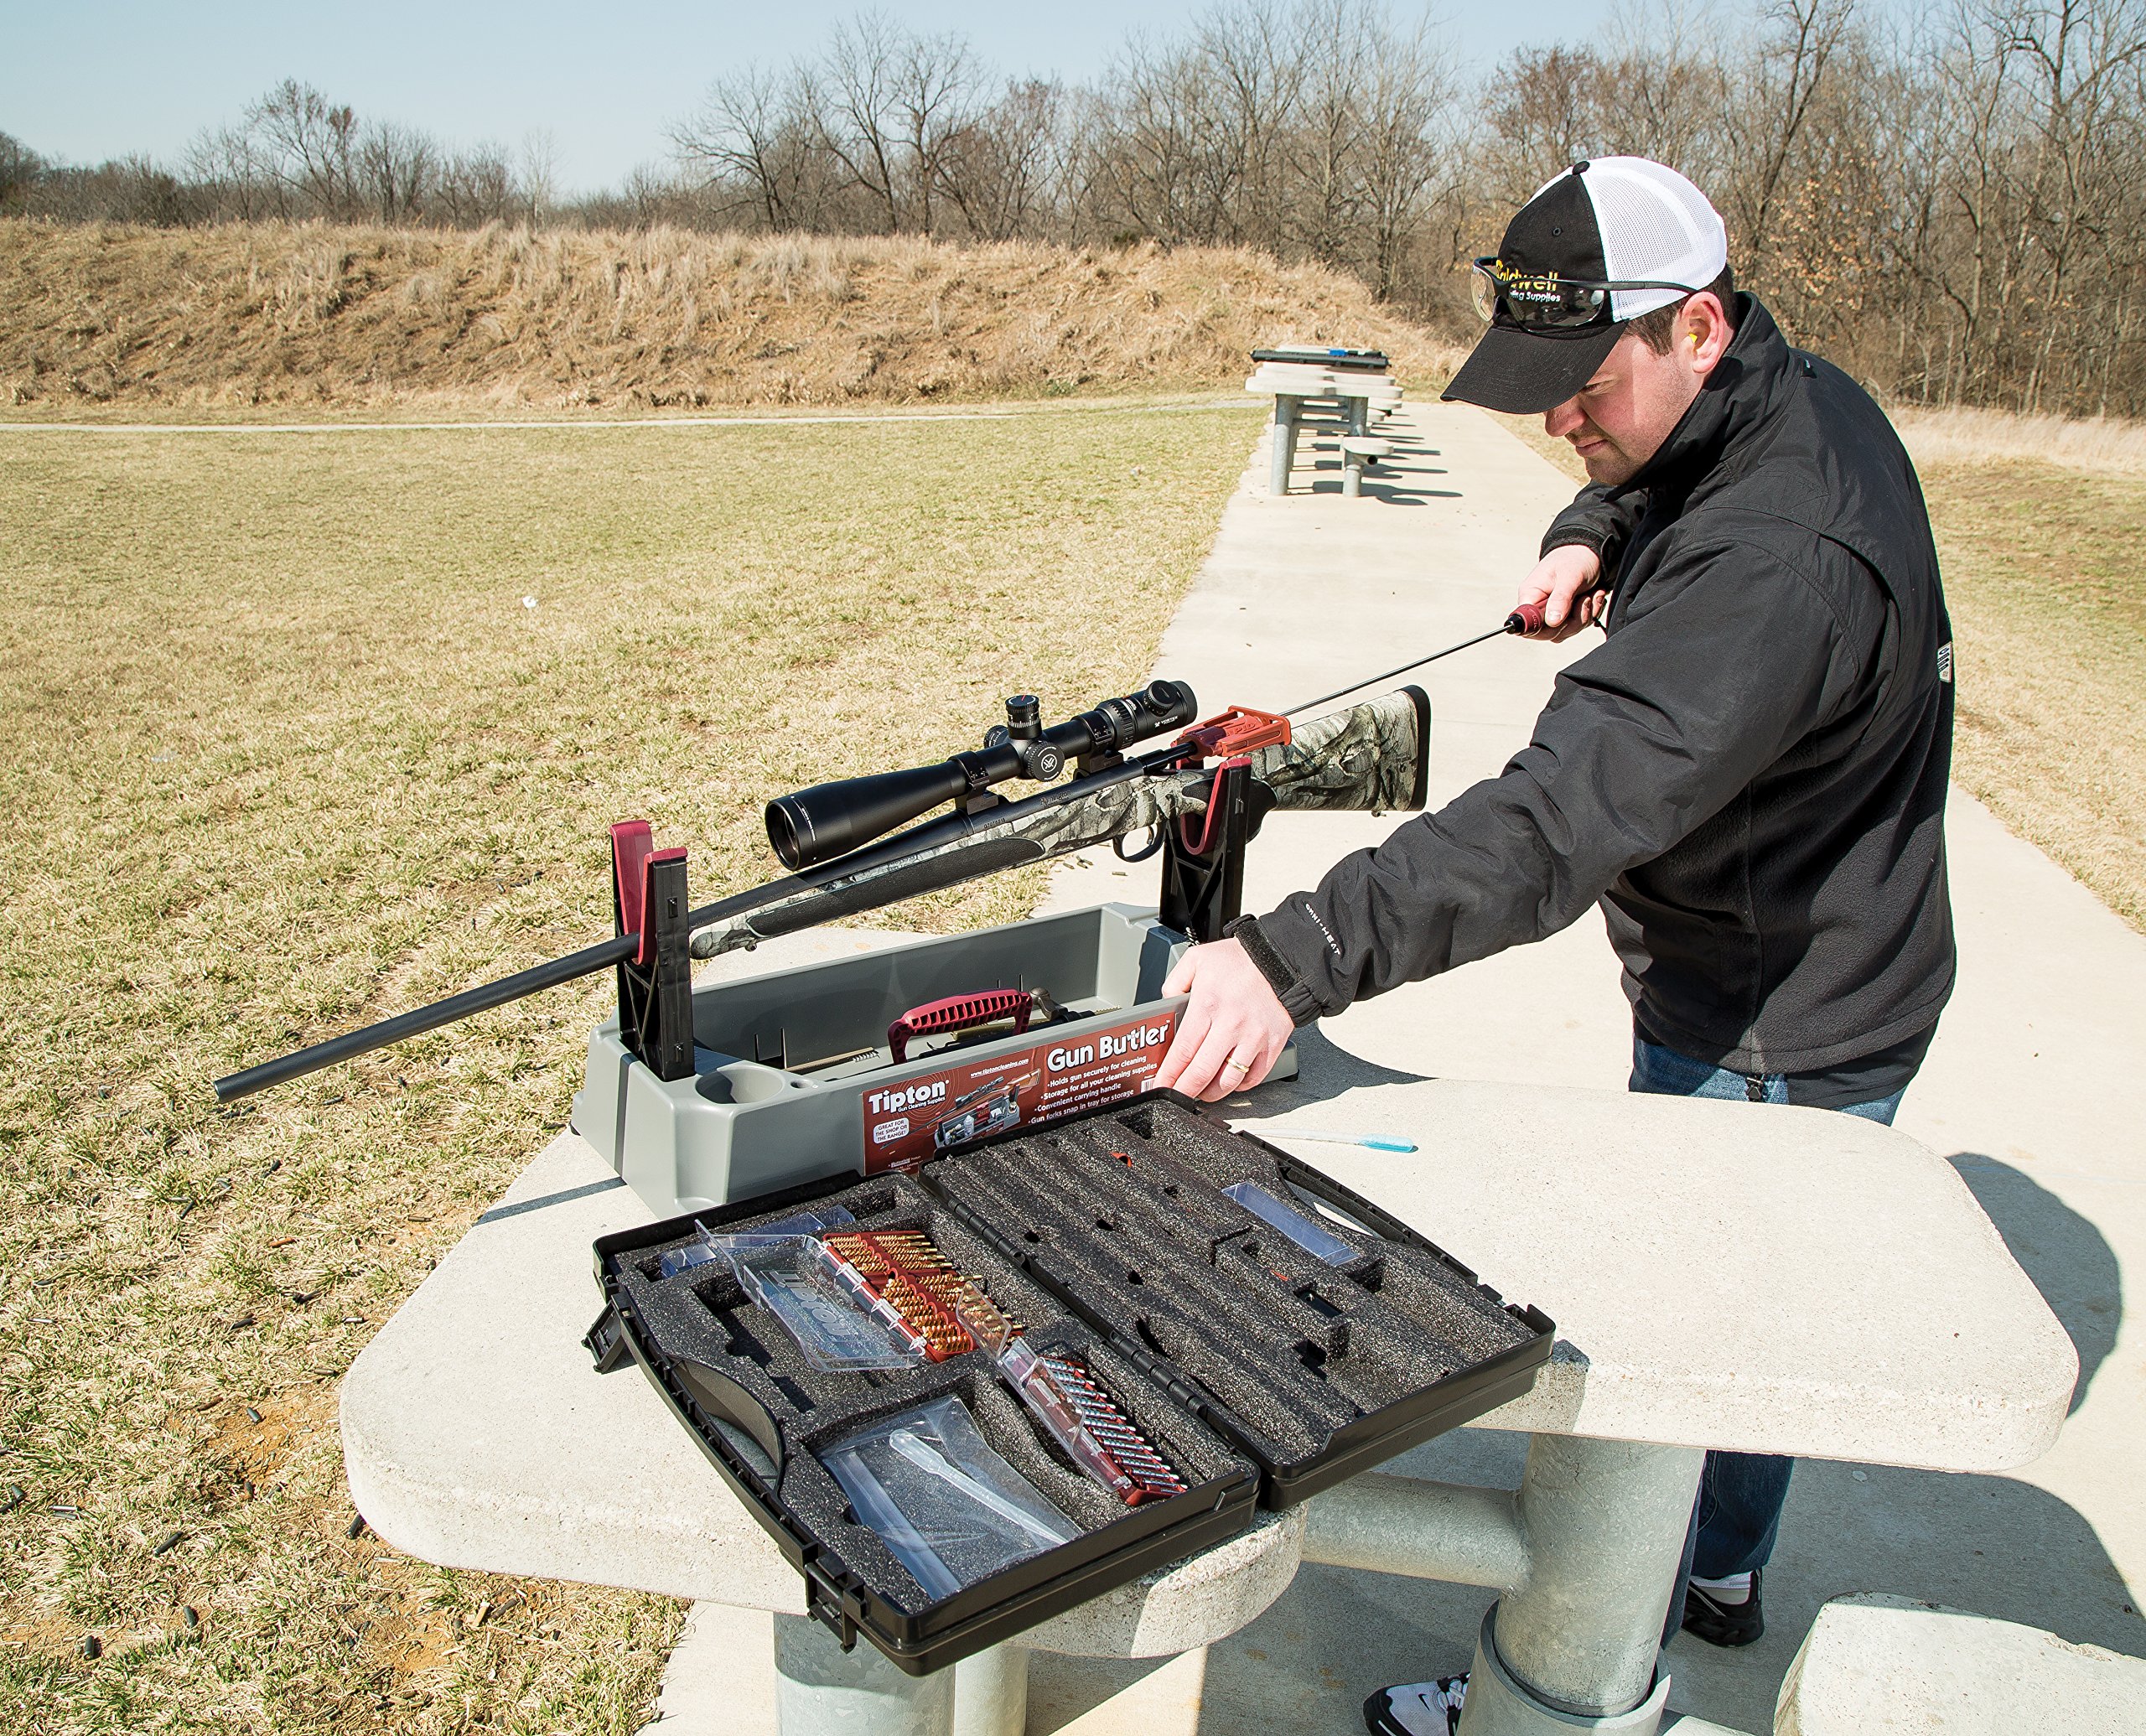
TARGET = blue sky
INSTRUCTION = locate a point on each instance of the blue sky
(89, 80)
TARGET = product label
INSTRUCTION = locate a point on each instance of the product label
(1074, 1067)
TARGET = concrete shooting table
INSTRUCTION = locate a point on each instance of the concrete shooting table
(1880, 1319)
(1292, 384)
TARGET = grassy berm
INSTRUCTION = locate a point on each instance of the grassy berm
(278, 317)
(305, 729)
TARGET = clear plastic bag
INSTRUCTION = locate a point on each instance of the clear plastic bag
(793, 1283)
(1314, 1239)
(728, 1247)
(949, 1508)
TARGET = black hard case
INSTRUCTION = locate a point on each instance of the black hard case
(717, 1408)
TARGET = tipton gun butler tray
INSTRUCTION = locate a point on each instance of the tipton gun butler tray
(874, 1060)
(701, 1095)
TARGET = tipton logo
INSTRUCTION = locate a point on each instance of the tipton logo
(1107, 1046)
(907, 1096)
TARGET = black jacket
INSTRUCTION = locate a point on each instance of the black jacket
(1749, 774)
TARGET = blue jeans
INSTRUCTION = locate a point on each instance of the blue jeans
(1664, 1073)
(1737, 1513)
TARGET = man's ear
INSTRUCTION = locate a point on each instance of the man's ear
(1703, 332)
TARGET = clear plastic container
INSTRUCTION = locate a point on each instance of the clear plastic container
(953, 1511)
(793, 1283)
(727, 1248)
(1314, 1240)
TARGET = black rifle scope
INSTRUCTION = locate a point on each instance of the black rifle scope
(830, 820)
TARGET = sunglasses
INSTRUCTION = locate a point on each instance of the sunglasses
(1544, 301)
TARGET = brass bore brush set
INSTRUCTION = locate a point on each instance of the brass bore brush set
(902, 1279)
(1086, 1422)
(900, 1276)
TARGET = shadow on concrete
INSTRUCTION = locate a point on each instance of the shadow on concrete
(1323, 1071)
(1064, 1689)
(1374, 489)
(1989, 1545)
(1998, 1548)
(2061, 1252)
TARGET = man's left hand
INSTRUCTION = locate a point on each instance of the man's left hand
(1234, 1030)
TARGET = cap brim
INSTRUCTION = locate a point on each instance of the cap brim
(1523, 373)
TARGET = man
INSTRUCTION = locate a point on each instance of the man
(1749, 775)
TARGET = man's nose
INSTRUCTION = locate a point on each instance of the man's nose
(1562, 419)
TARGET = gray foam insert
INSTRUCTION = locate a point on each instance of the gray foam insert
(705, 1315)
(1124, 1211)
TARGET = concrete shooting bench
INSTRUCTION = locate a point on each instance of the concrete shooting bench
(1360, 394)
(1883, 1322)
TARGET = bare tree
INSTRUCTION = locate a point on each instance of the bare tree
(395, 169)
(1768, 110)
(537, 174)
(1006, 172)
(235, 175)
(1410, 153)
(935, 85)
(755, 131)
(854, 98)
(310, 144)
(20, 169)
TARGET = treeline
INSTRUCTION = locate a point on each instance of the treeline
(1951, 207)
(294, 156)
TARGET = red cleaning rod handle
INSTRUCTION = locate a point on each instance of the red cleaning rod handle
(1527, 617)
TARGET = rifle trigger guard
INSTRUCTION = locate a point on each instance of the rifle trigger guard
(1157, 837)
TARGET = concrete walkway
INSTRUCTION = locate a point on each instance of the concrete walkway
(2034, 1088)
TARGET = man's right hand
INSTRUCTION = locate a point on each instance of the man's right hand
(1563, 582)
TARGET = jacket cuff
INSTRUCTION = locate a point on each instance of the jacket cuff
(1571, 536)
(1289, 988)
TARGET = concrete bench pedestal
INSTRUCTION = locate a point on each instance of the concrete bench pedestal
(1358, 455)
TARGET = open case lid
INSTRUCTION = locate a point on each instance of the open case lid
(1272, 1330)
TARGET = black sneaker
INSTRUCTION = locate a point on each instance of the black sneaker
(1720, 1624)
(1416, 1708)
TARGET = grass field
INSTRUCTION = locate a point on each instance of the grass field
(289, 748)
(2049, 610)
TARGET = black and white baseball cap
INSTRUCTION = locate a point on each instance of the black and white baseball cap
(1605, 242)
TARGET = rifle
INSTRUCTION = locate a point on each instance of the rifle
(1201, 797)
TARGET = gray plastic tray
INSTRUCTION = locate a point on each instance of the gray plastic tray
(793, 1079)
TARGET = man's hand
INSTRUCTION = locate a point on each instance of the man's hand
(1234, 1028)
(1563, 583)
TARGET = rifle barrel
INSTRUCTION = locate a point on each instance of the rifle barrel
(483, 998)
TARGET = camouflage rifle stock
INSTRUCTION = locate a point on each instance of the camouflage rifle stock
(1372, 757)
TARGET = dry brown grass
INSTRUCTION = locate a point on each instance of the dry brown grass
(285, 751)
(315, 317)
(2102, 446)
(2041, 570)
